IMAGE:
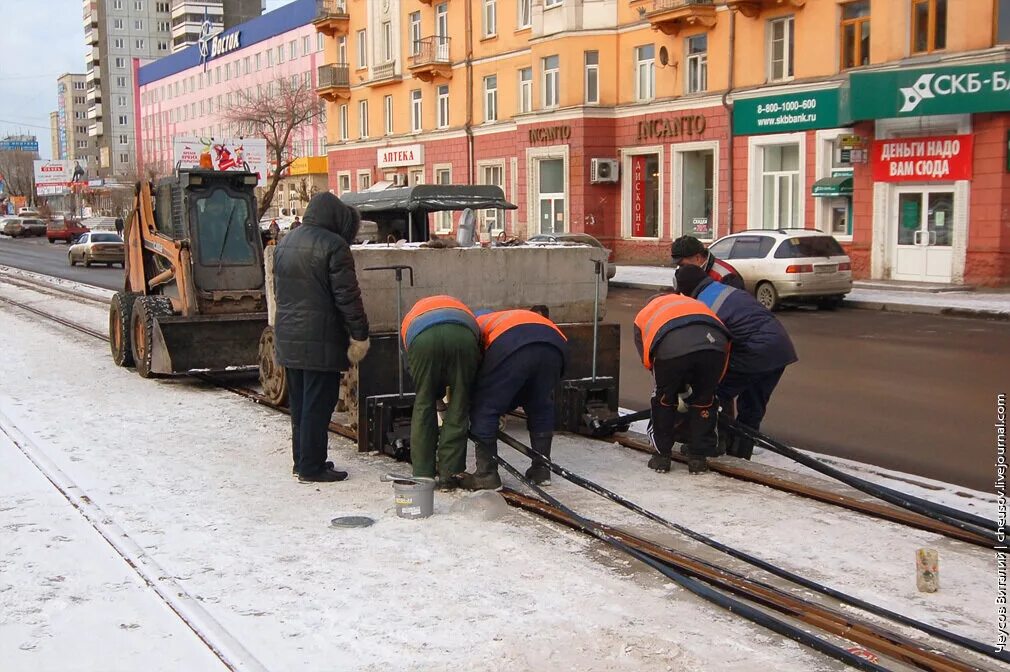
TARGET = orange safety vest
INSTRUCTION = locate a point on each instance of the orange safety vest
(493, 325)
(429, 304)
(668, 312)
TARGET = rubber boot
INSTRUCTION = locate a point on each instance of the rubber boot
(660, 463)
(697, 464)
(539, 472)
(485, 476)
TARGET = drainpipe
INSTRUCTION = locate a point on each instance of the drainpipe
(729, 123)
(469, 93)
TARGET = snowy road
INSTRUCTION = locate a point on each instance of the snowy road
(200, 480)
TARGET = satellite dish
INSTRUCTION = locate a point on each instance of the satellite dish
(664, 56)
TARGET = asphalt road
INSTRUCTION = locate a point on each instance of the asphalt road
(916, 393)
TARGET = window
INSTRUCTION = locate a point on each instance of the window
(222, 227)
(525, 90)
(227, 71)
(306, 45)
(552, 3)
(121, 101)
(138, 5)
(780, 49)
(292, 50)
(123, 121)
(929, 25)
(162, 7)
(342, 50)
(124, 139)
(259, 62)
(443, 220)
(443, 106)
(415, 111)
(270, 59)
(117, 24)
(362, 49)
(491, 98)
(363, 119)
(592, 83)
(552, 85)
(489, 16)
(415, 33)
(697, 64)
(280, 54)
(643, 188)
(162, 45)
(750, 247)
(493, 220)
(780, 192)
(140, 44)
(524, 18)
(120, 62)
(164, 27)
(855, 34)
(119, 43)
(387, 113)
(124, 158)
(696, 174)
(342, 117)
(387, 42)
(319, 42)
(645, 72)
(364, 180)
(117, 4)
(138, 24)
(1001, 22)
(551, 195)
(343, 183)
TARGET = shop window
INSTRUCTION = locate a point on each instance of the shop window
(780, 49)
(645, 196)
(443, 220)
(855, 34)
(493, 220)
(929, 25)
(645, 72)
(551, 195)
(592, 84)
(552, 84)
(525, 90)
(491, 98)
(697, 193)
(780, 194)
(697, 64)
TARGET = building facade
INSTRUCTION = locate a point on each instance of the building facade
(641, 121)
(72, 139)
(189, 17)
(187, 95)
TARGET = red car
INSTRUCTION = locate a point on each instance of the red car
(67, 230)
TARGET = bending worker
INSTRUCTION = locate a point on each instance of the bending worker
(689, 251)
(685, 346)
(761, 351)
(440, 335)
(524, 358)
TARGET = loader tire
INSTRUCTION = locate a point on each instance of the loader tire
(272, 375)
(145, 310)
(120, 312)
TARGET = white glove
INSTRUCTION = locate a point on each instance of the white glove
(682, 400)
(357, 350)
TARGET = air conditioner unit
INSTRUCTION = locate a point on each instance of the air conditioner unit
(603, 170)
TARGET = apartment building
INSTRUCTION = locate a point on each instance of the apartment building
(71, 123)
(189, 17)
(641, 121)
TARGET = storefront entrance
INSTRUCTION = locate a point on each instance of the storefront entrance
(923, 236)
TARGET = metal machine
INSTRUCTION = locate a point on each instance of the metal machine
(194, 297)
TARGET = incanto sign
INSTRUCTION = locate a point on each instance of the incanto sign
(403, 155)
(932, 159)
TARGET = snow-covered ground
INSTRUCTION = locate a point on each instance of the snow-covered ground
(198, 480)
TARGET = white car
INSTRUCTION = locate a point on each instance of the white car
(788, 264)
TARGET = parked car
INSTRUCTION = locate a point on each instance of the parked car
(98, 248)
(788, 264)
(66, 230)
(18, 227)
(575, 239)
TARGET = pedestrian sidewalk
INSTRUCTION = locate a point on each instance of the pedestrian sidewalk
(988, 303)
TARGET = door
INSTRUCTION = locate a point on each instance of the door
(551, 192)
(923, 237)
(442, 33)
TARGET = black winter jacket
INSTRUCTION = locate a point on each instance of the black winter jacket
(318, 300)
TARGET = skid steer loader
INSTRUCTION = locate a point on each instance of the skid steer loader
(194, 298)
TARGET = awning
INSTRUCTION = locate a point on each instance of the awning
(833, 186)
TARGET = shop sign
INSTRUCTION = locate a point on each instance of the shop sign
(672, 127)
(932, 159)
(550, 134)
(699, 227)
(928, 91)
(787, 112)
(239, 154)
(638, 196)
(403, 155)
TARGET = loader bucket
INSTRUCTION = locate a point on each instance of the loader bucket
(212, 343)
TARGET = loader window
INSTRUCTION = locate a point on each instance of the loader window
(222, 229)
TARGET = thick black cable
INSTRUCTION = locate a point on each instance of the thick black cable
(597, 489)
(703, 590)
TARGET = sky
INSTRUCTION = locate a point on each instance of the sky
(42, 39)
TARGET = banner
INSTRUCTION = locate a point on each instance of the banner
(55, 178)
(638, 196)
(932, 159)
(224, 154)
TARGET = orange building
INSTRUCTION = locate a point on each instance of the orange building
(639, 121)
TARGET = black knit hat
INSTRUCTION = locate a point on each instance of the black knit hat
(687, 279)
(686, 246)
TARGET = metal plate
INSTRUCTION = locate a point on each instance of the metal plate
(352, 521)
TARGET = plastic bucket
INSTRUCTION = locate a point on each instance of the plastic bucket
(414, 497)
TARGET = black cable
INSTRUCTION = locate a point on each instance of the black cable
(939, 633)
(702, 590)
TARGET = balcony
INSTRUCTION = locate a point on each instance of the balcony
(334, 82)
(670, 16)
(95, 111)
(431, 59)
(331, 17)
(751, 8)
(384, 73)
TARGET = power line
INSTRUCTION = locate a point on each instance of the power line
(22, 123)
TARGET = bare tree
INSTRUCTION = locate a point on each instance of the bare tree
(276, 112)
(18, 170)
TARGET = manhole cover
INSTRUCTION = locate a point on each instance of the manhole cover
(352, 521)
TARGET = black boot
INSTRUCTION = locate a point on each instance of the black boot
(485, 476)
(326, 465)
(660, 463)
(697, 464)
(539, 472)
(324, 476)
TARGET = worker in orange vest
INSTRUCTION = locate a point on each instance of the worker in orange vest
(524, 357)
(686, 347)
(441, 338)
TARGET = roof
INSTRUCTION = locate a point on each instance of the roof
(430, 198)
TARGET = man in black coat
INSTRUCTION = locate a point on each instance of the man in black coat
(689, 251)
(761, 349)
(320, 327)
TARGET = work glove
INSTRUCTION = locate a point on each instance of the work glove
(682, 399)
(357, 350)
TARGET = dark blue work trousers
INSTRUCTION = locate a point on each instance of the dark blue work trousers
(526, 378)
(312, 396)
(752, 392)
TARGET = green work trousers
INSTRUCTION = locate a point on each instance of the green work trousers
(441, 356)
